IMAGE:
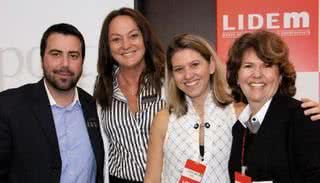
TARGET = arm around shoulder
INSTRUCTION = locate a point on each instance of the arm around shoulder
(155, 151)
(307, 147)
(311, 108)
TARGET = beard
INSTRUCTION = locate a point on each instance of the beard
(62, 84)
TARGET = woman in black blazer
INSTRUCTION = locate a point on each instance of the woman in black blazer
(272, 140)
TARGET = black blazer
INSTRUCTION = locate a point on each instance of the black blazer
(285, 149)
(29, 150)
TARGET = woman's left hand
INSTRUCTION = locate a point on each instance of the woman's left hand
(311, 108)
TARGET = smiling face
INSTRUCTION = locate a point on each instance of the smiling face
(191, 73)
(62, 62)
(258, 80)
(126, 42)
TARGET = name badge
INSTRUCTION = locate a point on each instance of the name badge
(241, 178)
(192, 172)
(147, 99)
(92, 123)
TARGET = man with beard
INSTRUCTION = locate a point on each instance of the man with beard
(49, 131)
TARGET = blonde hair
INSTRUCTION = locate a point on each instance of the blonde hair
(175, 97)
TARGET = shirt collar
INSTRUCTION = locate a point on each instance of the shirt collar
(54, 103)
(246, 114)
(144, 93)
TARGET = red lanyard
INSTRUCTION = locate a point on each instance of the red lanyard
(243, 147)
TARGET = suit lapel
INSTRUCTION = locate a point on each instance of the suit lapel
(92, 123)
(275, 114)
(42, 111)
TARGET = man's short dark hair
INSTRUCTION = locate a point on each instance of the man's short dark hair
(62, 28)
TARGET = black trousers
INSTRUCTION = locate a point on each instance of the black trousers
(113, 179)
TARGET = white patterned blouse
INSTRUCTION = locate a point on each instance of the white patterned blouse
(182, 142)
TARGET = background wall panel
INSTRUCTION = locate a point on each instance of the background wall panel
(23, 23)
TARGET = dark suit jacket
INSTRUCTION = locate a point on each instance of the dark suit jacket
(29, 150)
(286, 147)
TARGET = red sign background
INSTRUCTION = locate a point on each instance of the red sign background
(302, 41)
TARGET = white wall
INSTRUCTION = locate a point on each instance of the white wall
(23, 23)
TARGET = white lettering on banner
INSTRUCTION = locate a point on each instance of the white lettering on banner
(272, 20)
(295, 17)
(269, 20)
(252, 18)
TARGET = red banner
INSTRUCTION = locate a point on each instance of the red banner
(295, 20)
